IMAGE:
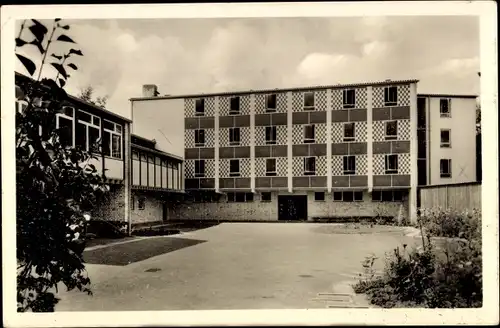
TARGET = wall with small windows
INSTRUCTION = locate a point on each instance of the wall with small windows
(451, 134)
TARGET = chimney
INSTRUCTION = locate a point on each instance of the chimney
(149, 90)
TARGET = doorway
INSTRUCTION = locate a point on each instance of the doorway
(292, 208)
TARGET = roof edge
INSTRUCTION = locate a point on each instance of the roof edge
(83, 102)
(156, 151)
(446, 95)
(241, 92)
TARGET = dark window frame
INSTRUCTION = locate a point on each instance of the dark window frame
(199, 168)
(443, 174)
(349, 98)
(199, 103)
(349, 127)
(235, 105)
(442, 143)
(271, 99)
(234, 173)
(391, 126)
(349, 164)
(199, 134)
(308, 163)
(388, 169)
(390, 96)
(319, 196)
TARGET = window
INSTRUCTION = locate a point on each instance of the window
(309, 133)
(309, 100)
(270, 166)
(132, 203)
(391, 130)
(445, 139)
(348, 131)
(112, 139)
(347, 196)
(141, 204)
(235, 105)
(391, 96)
(199, 138)
(234, 136)
(200, 107)
(319, 196)
(265, 197)
(199, 168)
(445, 168)
(270, 135)
(64, 121)
(239, 197)
(349, 98)
(387, 195)
(234, 168)
(391, 164)
(271, 103)
(445, 107)
(309, 166)
(349, 164)
(88, 131)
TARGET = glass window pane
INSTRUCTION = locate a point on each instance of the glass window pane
(348, 196)
(106, 143)
(309, 99)
(116, 146)
(94, 135)
(337, 196)
(82, 116)
(66, 127)
(96, 121)
(109, 125)
(81, 136)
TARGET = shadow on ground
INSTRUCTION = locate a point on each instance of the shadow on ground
(135, 251)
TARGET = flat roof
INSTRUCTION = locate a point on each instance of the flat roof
(317, 87)
(156, 151)
(444, 95)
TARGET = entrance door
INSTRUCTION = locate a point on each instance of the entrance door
(292, 208)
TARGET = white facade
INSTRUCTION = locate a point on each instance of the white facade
(461, 150)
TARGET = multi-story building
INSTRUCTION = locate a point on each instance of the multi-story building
(142, 181)
(446, 139)
(329, 151)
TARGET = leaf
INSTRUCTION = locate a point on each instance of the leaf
(60, 69)
(65, 38)
(28, 64)
(62, 82)
(38, 44)
(66, 27)
(57, 19)
(20, 42)
(38, 29)
(76, 52)
(56, 56)
(73, 66)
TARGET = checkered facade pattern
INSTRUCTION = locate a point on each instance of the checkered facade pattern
(189, 138)
(281, 135)
(189, 166)
(403, 164)
(403, 97)
(244, 137)
(298, 166)
(261, 105)
(244, 167)
(360, 132)
(320, 135)
(320, 100)
(360, 98)
(403, 130)
(338, 165)
(189, 107)
(225, 105)
(281, 166)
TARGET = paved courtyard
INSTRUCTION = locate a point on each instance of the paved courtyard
(230, 266)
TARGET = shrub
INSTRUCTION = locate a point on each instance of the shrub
(429, 276)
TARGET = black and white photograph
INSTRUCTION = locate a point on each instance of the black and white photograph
(326, 160)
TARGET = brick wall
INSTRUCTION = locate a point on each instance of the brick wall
(112, 206)
(153, 209)
(268, 211)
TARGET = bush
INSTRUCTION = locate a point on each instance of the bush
(428, 276)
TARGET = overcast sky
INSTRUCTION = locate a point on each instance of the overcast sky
(208, 55)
